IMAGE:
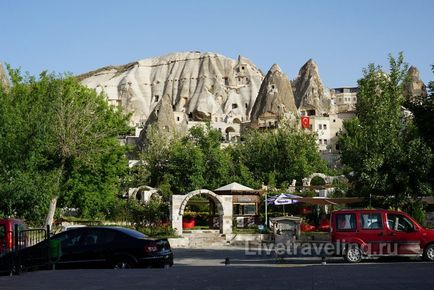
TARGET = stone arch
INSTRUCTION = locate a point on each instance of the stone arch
(223, 204)
(327, 179)
(230, 131)
(205, 192)
(142, 193)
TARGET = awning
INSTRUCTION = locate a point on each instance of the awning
(329, 200)
(286, 198)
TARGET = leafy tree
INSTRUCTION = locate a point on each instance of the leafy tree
(281, 155)
(63, 136)
(423, 111)
(155, 156)
(217, 162)
(179, 164)
(380, 144)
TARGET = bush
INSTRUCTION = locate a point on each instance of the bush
(157, 231)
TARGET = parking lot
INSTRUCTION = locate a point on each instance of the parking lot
(206, 269)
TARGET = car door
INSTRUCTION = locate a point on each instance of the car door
(405, 235)
(372, 232)
(97, 247)
(71, 252)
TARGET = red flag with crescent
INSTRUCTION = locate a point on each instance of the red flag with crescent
(305, 122)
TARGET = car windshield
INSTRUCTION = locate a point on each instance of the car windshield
(132, 233)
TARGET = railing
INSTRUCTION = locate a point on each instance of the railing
(13, 247)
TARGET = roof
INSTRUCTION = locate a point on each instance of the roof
(234, 186)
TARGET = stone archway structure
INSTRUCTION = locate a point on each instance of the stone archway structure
(327, 179)
(223, 204)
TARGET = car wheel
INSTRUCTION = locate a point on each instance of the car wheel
(353, 254)
(428, 253)
(124, 263)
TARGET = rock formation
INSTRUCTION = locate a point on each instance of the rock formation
(3, 79)
(275, 99)
(202, 85)
(414, 89)
(310, 93)
(162, 115)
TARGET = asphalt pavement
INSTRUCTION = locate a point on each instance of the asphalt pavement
(237, 268)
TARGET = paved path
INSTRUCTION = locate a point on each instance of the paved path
(205, 269)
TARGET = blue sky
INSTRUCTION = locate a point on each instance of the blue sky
(343, 37)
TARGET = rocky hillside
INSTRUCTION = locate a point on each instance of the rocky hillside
(275, 98)
(414, 89)
(202, 85)
(309, 91)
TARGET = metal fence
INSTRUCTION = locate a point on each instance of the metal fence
(13, 248)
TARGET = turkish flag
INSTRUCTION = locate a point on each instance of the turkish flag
(305, 122)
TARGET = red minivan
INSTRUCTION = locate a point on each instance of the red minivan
(6, 233)
(360, 233)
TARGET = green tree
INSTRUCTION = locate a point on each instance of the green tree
(181, 164)
(217, 162)
(283, 154)
(423, 111)
(63, 137)
(380, 144)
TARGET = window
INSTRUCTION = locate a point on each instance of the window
(325, 141)
(245, 208)
(320, 141)
(246, 105)
(399, 223)
(334, 120)
(226, 80)
(156, 98)
(325, 126)
(2, 232)
(177, 119)
(70, 238)
(337, 147)
(105, 237)
(234, 106)
(320, 126)
(371, 221)
(346, 222)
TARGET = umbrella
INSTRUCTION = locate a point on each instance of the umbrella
(282, 199)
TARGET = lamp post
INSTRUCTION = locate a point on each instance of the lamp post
(266, 210)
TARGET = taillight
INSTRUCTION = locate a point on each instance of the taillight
(151, 247)
(10, 242)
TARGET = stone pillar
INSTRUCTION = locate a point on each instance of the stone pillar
(226, 227)
(176, 217)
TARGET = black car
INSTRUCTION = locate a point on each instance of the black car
(98, 247)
